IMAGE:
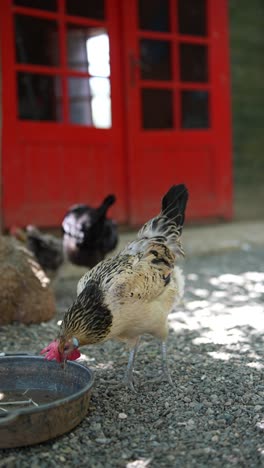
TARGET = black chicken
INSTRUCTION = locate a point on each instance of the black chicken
(46, 248)
(87, 234)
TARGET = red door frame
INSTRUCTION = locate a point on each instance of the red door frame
(132, 171)
(216, 140)
(18, 133)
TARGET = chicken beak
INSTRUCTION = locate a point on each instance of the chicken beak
(63, 363)
(61, 345)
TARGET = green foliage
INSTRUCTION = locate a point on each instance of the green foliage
(247, 75)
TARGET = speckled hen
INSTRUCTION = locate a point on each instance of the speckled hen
(132, 293)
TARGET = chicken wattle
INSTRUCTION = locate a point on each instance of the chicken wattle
(52, 352)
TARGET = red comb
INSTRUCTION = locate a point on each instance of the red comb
(52, 352)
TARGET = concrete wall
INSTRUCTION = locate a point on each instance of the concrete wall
(247, 75)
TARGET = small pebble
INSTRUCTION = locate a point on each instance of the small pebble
(257, 408)
(103, 441)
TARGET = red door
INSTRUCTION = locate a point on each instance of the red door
(178, 109)
(115, 96)
(62, 108)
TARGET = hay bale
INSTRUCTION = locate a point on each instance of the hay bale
(25, 292)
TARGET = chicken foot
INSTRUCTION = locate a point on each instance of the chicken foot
(165, 370)
(129, 377)
(165, 373)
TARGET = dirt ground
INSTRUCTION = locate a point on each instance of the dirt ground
(213, 416)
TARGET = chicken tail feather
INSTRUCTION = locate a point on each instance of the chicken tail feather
(167, 226)
(107, 202)
(174, 204)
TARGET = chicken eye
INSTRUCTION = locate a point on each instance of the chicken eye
(75, 342)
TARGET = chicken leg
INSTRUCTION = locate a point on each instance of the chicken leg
(165, 373)
(165, 370)
(129, 377)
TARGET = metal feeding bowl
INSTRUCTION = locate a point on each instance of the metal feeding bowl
(40, 400)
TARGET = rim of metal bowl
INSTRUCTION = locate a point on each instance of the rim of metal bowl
(10, 414)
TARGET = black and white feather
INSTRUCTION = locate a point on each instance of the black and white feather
(88, 235)
(46, 248)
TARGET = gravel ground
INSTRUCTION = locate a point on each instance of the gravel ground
(212, 417)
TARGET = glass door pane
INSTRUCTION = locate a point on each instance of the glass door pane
(193, 62)
(155, 59)
(89, 97)
(47, 5)
(39, 97)
(39, 87)
(154, 15)
(195, 109)
(192, 17)
(36, 41)
(155, 65)
(157, 108)
(94, 9)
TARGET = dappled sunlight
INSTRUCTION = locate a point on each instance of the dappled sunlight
(261, 449)
(39, 273)
(251, 280)
(193, 305)
(240, 298)
(220, 355)
(91, 361)
(217, 294)
(255, 276)
(105, 365)
(227, 278)
(141, 463)
(224, 310)
(201, 292)
(256, 365)
(192, 277)
(85, 358)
